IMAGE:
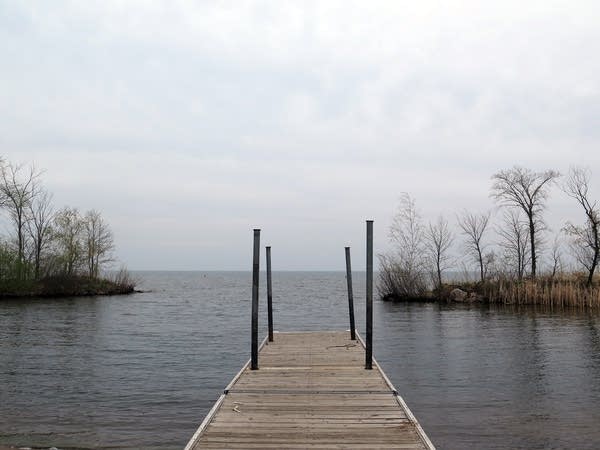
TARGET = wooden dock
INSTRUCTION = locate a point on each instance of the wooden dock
(311, 391)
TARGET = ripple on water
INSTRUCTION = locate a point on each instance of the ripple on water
(142, 371)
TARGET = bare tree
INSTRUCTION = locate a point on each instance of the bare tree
(490, 264)
(438, 240)
(586, 242)
(514, 241)
(17, 192)
(557, 258)
(402, 273)
(68, 228)
(527, 190)
(473, 227)
(43, 243)
(99, 242)
(407, 233)
(39, 225)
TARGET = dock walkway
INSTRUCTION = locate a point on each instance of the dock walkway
(311, 391)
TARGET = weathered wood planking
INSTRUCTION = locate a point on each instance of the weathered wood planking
(311, 391)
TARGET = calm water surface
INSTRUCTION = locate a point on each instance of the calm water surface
(140, 372)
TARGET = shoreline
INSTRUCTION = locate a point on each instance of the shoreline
(66, 294)
(24, 447)
(549, 291)
(60, 287)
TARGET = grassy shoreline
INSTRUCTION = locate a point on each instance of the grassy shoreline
(65, 286)
(567, 291)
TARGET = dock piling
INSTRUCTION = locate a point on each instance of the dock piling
(269, 295)
(369, 328)
(255, 273)
(350, 294)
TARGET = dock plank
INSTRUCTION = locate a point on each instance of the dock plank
(311, 391)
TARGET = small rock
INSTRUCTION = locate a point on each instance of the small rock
(458, 295)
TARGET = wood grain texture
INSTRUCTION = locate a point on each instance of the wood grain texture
(311, 391)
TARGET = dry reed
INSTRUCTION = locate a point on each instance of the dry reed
(548, 291)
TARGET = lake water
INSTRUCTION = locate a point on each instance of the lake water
(140, 372)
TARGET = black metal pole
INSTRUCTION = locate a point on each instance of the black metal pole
(350, 294)
(255, 268)
(269, 295)
(369, 349)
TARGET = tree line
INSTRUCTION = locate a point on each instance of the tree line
(43, 241)
(509, 249)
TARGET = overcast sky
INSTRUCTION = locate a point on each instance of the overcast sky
(187, 124)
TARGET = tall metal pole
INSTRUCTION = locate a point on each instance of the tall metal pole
(269, 295)
(369, 349)
(350, 295)
(255, 268)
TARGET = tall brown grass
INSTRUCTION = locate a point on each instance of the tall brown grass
(563, 291)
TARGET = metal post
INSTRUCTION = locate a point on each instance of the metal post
(269, 295)
(369, 349)
(255, 268)
(350, 295)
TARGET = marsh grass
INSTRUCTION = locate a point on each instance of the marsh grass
(565, 291)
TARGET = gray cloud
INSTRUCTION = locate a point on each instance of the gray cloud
(188, 124)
